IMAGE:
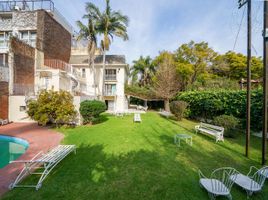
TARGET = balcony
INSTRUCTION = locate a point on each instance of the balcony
(33, 5)
(110, 77)
(3, 44)
(109, 93)
(29, 5)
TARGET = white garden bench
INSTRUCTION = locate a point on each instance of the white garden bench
(213, 130)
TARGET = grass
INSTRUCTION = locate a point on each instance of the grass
(118, 159)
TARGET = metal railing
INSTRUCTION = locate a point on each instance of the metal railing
(32, 5)
(27, 5)
(109, 93)
(58, 64)
(3, 44)
(110, 77)
(61, 65)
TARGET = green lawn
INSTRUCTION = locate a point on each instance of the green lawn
(118, 159)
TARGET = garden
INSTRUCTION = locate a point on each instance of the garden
(119, 159)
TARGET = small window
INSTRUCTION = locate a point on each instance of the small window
(22, 108)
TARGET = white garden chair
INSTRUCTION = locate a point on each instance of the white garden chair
(252, 183)
(219, 183)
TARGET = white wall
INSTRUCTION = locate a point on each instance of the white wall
(15, 114)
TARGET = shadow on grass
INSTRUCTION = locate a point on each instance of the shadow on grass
(94, 174)
(101, 119)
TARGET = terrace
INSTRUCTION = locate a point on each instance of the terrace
(7, 7)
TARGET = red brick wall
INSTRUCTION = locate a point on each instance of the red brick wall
(52, 38)
(23, 62)
(3, 100)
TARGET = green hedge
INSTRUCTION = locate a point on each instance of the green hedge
(209, 104)
(91, 110)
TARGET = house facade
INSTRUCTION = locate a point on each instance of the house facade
(36, 53)
(115, 77)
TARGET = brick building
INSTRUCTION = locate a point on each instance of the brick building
(35, 48)
(36, 53)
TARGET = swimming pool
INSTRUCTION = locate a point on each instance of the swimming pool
(11, 148)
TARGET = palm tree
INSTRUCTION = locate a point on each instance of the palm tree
(145, 68)
(111, 23)
(89, 33)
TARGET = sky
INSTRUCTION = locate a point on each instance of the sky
(157, 25)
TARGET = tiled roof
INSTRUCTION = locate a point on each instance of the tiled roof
(110, 59)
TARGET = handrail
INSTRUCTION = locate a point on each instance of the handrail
(61, 65)
(29, 5)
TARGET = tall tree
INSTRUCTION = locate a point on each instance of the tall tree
(88, 32)
(196, 56)
(145, 69)
(166, 81)
(233, 65)
(111, 23)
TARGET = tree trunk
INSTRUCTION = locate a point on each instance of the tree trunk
(103, 67)
(167, 108)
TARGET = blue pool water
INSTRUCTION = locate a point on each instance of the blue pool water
(11, 148)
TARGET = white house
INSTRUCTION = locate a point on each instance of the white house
(115, 78)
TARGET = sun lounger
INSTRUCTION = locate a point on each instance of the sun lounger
(46, 162)
(137, 117)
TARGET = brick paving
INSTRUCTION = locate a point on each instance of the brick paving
(39, 138)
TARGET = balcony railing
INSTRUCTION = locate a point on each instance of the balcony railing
(30, 5)
(3, 44)
(58, 64)
(109, 93)
(110, 77)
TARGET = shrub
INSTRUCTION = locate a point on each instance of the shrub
(91, 110)
(178, 109)
(229, 122)
(52, 107)
(210, 104)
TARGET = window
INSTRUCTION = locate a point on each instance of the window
(28, 37)
(3, 59)
(110, 89)
(22, 108)
(110, 74)
(4, 37)
(83, 73)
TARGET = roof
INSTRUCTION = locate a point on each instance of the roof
(110, 59)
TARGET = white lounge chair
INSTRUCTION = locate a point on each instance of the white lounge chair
(252, 183)
(137, 117)
(46, 162)
(219, 183)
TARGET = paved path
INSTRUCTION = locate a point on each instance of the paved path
(39, 138)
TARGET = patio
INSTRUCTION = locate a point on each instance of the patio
(39, 138)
